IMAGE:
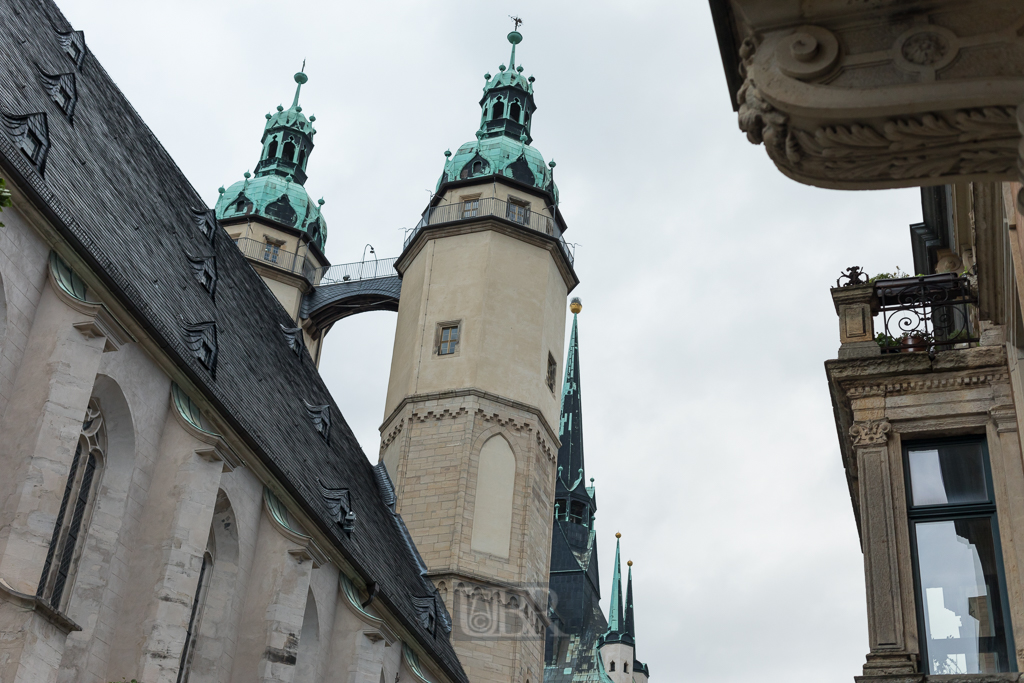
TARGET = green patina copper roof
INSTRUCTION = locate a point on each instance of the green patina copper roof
(277, 191)
(502, 145)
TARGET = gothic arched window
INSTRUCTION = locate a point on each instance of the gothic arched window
(288, 153)
(75, 509)
(498, 110)
(195, 618)
(272, 149)
(611, 666)
(514, 111)
(302, 158)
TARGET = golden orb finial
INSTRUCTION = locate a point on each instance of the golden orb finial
(629, 563)
(575, 305)
(618, 535)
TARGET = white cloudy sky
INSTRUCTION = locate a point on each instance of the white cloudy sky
(704, 274)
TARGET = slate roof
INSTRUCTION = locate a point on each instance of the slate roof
(117, 197)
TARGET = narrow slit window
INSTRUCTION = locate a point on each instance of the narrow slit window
(71, 524)
(552, 372)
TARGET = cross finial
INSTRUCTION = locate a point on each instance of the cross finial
(516, 20)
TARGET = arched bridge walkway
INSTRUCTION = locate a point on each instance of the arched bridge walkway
(351, 288)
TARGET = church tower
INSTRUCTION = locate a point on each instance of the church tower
(470, 429)
(272, 218)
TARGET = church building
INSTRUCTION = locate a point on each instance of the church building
(184, 502)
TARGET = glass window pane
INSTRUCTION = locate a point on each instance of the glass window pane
(948, 475)
(964, 628)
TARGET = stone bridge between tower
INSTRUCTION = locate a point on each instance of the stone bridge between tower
(347, 289)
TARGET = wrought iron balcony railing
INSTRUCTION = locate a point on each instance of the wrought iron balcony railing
(350, 272)
(492, 206)
(276, 257)
(924, 313)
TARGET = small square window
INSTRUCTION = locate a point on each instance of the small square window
(552, 372)
(271, 251)
(518, 213)
(471, 208)
(449, 340)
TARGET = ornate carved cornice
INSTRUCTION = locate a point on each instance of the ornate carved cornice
(870, 432)
(924, 384)
(840, 107)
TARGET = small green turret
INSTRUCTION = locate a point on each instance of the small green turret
(276, 192)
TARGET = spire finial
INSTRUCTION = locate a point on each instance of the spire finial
(629, 563)
(575, 305)
(618, 535)
(515, 37)
(300, 78)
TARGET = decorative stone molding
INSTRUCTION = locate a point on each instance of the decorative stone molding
(1004, 417)
(32, 603)
(392, 435)
(506, 422)
(840, 107)
(289, 528)
(870, 433)
(190, 417)
(444, 414)
(71, 290)
(926, 384)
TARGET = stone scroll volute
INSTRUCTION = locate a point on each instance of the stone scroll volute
(870, 432)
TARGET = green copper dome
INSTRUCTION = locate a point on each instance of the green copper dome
(277, 191)
(502, 145)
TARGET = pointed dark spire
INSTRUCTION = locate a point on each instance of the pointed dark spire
(628, 627)
(570, 431)
(616, 623)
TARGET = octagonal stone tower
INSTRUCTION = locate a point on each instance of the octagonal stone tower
(470, 433)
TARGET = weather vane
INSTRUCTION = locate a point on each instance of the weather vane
(516, 20)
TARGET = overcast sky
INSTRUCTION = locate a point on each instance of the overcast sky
(704, 274)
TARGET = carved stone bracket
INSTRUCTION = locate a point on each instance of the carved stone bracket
(1004, 417)
(870, 432)
(839, 107)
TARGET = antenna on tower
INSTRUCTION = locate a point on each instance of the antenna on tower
(516, 20)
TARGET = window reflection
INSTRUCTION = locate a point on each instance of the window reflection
(962, 607)
(951, 475)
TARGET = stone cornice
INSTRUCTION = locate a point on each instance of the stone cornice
(522, 234)
(457, 393)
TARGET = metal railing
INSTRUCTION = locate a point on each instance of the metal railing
(491, 206)
(925, 313)
(273, 255)
(350, 272)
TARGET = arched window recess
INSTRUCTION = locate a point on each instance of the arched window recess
(272, 149)
(515, 110)
(76, 505)
(288, 152)
(498, 110)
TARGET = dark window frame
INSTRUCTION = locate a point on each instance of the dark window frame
(953, 512)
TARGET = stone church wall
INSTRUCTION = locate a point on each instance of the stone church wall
(165, 496)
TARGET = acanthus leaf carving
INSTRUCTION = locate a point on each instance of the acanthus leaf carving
(870, 432)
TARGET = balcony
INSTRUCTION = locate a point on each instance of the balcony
(496, 208)
(274, 256)
(927, 313)
(353, 272)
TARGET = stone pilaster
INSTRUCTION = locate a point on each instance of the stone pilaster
(167, 559)
(41, 428)
(275, 603)
(886, 633)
